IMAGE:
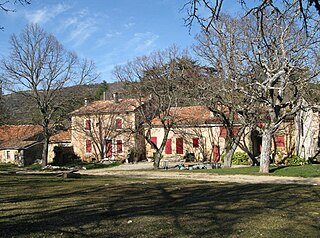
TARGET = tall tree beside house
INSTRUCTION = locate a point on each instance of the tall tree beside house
(160, 79)
(219, 92)
(276, 60)
(38, 67)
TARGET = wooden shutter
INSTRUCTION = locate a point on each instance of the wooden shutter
(88, 124)
(168, 148)
(280, 141)
(119, 146)
(88, 146)
(195, 142)
(223, 132)
(179, 146)
(154, 140)
(118, 123)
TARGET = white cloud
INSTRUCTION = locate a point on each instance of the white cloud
(108, 38)
(143, 41)
(44, 15)
(129, 24)
(80, 26)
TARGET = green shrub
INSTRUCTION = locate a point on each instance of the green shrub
(189, 157)
(296, 160)
(240, 158)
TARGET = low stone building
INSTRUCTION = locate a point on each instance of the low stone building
(20, 144)
(60, 150)
(196, 132)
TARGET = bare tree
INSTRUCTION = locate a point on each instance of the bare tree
(39, 67)
(160, 79)
(220, 49)
(275, 60)
(206, 12)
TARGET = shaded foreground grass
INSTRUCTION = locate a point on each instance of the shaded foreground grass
(38, 206)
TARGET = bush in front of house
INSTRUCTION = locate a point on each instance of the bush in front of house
(296, 160)
(240, 158)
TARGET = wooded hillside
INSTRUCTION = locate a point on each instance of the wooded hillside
(16, 109)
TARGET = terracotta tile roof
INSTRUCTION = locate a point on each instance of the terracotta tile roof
(105, 106)
(192, 115)
(63, 136)
(19, 136)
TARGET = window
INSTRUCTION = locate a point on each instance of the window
(154, 140)
(179, 146)
(280, 141)
(88, 146)
(118, 123)
(88, 124)
(119, 146)
(168, 148)
(195, 142)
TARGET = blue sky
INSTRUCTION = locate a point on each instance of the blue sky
(110, 32)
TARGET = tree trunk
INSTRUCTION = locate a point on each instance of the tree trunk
(157, 158)
(265, 151)
(228, 158)
(45, 150)
(231, 148)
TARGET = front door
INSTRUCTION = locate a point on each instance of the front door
(108, 148)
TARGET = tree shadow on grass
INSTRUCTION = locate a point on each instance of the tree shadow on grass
(104, 207)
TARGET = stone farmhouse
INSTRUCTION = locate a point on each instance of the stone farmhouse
(20, 144)
(112, 129)
(106, 129)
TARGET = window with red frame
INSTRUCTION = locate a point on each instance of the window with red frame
(280, 141)
(195, 142)
(88, 146)
(168, 148)
(118, 123)
(179, 146)
(154, 140)
(88, 124)
(119, 146)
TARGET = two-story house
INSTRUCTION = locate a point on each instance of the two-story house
(106, 129)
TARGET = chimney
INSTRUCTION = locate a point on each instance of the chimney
(85, 102)
(104, 96)
(115, 96)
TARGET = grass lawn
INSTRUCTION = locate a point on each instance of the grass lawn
(310, 170)
(50, 206)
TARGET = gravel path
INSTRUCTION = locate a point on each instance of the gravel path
(134, 171)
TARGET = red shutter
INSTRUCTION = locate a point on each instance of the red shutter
(179, 146)
(154, 140)
(88, 124)
(216, 153)
(235, 131)
(223, 132)
(118, 123)
(88, 146)
(280, 141)
(168, 149)
(195, 142)
(119, 146)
